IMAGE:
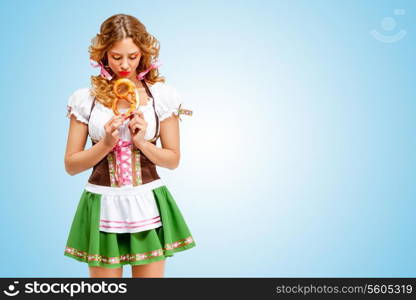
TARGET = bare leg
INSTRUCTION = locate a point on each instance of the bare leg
(153, 270)
(100, 272)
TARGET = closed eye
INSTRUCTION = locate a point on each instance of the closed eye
(118, 58)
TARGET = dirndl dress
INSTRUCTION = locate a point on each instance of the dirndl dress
(126, 214)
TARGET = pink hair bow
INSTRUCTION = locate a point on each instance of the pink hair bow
(103, 72)
(123, 162)
(152, 66)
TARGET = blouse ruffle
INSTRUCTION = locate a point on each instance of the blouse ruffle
(79, 104)
(169, 100)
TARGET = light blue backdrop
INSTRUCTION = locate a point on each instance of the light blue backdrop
(299, 159)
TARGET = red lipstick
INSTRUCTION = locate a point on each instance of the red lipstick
(124, 73)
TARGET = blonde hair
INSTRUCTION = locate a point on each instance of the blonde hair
(116, 28)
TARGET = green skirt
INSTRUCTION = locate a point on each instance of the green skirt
(86, 243)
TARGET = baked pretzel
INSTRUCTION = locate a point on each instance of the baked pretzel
(122, 88)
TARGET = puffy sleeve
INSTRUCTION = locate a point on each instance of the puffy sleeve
(168, 102)
(79, 105)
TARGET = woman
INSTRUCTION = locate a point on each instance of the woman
(126, 214)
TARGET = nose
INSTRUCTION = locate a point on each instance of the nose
(124, 64)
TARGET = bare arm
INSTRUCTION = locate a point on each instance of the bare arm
(169, 155)
(77, 159)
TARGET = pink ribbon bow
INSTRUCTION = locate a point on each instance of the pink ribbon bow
(123, 162)
(152, 66)
(103, 72)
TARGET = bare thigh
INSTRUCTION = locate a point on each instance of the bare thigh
(153, 270)
(100, 272)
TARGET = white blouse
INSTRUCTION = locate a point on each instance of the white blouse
(167, 101)
(127, 208)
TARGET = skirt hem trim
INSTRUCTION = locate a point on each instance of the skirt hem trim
(163, 255)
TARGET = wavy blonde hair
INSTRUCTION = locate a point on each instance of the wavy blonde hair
(114, 29)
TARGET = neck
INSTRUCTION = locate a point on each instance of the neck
(137, 82)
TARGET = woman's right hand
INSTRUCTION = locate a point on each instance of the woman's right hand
(111, 131)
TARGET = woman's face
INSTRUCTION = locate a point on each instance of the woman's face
(123, 58)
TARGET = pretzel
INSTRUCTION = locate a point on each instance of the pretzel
(130, 89)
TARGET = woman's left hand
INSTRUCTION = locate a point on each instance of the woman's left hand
(137, 127)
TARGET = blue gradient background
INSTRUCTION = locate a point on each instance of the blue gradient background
(299, 159)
